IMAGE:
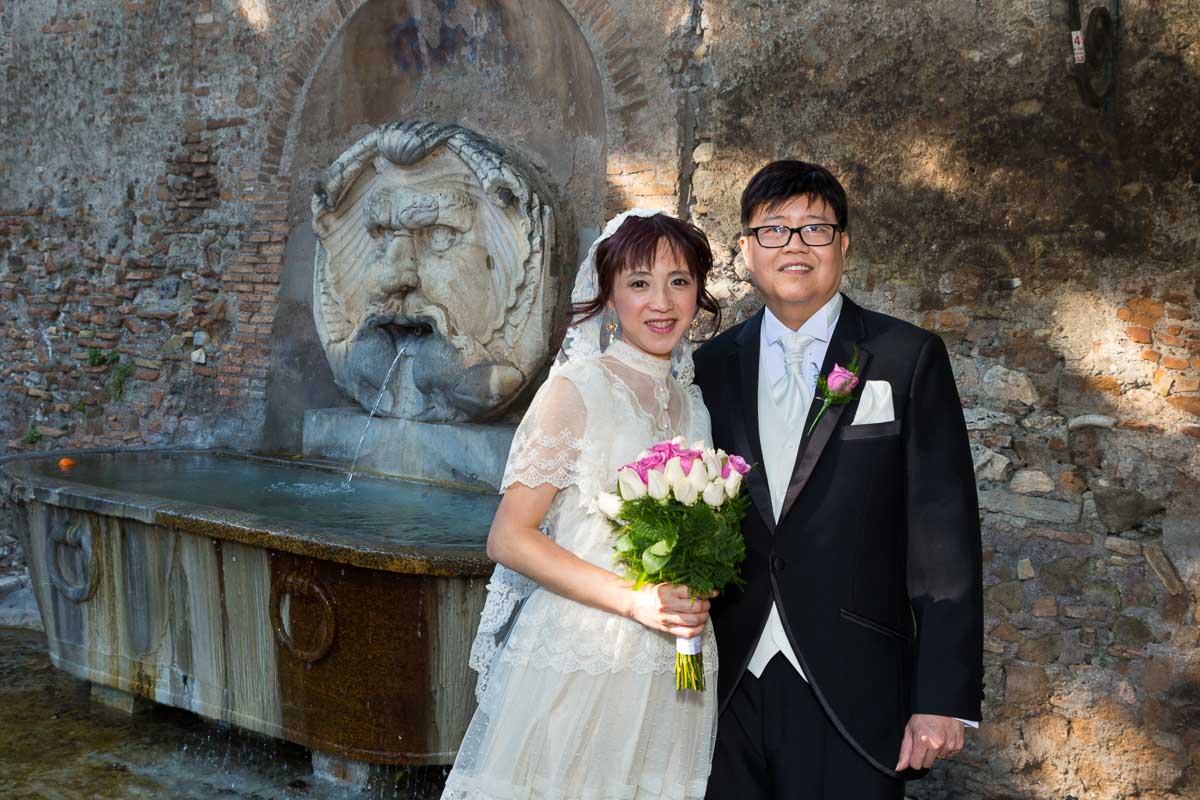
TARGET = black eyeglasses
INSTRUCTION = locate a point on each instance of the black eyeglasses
(818, 234)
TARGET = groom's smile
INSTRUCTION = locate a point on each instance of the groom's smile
(795, 279)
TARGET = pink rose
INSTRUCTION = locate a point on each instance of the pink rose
(687, 458)
(841, 380)
(643, 465)
(735, 464)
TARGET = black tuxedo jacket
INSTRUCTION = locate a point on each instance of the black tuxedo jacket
(875, 564)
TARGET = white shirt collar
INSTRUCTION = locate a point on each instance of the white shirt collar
(819, 326)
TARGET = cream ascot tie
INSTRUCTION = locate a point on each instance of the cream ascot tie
(791, 393)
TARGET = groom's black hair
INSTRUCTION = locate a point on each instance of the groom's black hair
(780, 181)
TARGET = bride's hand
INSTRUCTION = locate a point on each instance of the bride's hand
(671, 609)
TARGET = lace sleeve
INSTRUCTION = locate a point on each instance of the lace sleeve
(548, 444)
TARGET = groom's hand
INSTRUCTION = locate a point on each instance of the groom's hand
(928, 737)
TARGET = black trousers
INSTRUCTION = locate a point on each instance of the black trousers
(775, 742)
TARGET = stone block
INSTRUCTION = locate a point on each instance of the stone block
(1100, 592)
(1069, 537)
(1186, 403)
(1163, 568)
(1031, 481)
(1122, 546)
(116, 699)
(1008, 386)
(1043, 650)
(1091, 421)
(1131, 631)
(1139, 334)
(1006, 632)
(989, 465)
(1045, 606)
(1162, 382)
(1142, 311)
(1018, 505)
(1121, 509)
(982, 419)
(1010, 594)
(1025, 685)
(462, 454)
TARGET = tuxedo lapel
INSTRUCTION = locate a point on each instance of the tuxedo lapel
(847, 339)
(744, 414)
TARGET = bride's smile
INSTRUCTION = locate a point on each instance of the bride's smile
(655, 302)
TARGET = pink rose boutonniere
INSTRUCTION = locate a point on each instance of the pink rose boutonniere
(836, 388)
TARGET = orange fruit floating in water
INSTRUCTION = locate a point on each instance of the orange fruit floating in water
(66, 463)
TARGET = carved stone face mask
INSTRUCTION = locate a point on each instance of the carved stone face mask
(432, 267)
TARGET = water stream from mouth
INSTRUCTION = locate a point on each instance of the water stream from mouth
(386, 380)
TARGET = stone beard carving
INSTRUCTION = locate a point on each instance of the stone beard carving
(431, 245)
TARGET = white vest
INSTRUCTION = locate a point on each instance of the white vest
(779, 457)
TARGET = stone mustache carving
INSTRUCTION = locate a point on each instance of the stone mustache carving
(433, 244)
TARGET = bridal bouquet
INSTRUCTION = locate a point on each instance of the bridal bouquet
(677, 516)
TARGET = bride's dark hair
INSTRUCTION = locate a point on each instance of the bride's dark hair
(635, 244)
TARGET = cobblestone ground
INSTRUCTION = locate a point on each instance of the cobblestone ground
(56, 742)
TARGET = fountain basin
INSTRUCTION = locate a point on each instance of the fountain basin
(261, 593)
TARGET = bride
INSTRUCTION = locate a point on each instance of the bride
(576, 691)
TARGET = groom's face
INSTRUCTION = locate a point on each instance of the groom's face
(796, 279)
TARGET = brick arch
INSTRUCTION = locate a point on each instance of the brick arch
(605, 32)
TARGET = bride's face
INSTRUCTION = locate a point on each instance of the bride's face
(655, 303)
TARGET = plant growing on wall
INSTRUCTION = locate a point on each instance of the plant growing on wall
(101, 358)
(116, 384)
(33, 437)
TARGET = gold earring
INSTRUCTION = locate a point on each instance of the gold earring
(612, 326)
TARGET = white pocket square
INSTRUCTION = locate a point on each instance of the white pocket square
(875, 404)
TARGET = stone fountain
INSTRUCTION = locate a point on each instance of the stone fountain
(437, 251)
(267, 593)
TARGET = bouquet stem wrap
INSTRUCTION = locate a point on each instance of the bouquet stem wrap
(677, 517)
(689, 664)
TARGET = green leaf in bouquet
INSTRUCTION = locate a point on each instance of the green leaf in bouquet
(656, 557)
(625, 544)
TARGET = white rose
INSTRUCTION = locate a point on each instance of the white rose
(685, 491)
(733, 483)
(697, 445)
(657, 485)
(714, 493)
(630, 484)
(673, 470)
(713, 464)
(678, 441)
(698, 477)
(610, 504)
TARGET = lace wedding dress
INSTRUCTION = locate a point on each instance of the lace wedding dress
(577, 703)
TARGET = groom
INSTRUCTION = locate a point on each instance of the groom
(854, 655)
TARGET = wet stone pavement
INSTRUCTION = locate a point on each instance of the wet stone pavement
(57, 744)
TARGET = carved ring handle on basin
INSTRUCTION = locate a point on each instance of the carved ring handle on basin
(300, 585)
(74, 536)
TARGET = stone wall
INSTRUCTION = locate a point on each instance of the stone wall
(149, 188)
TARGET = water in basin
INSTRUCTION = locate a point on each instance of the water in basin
(400, 512)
